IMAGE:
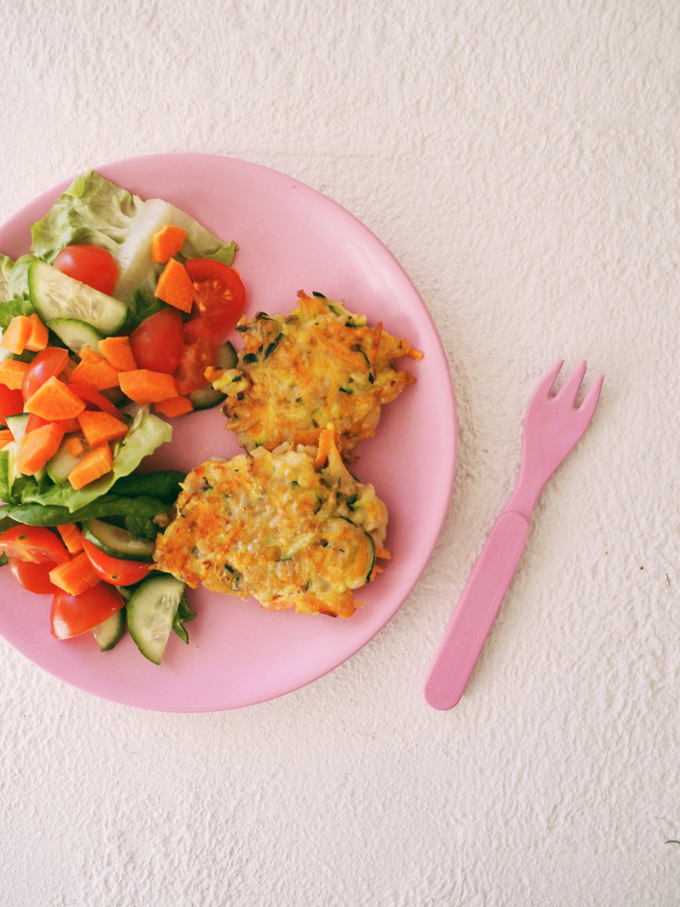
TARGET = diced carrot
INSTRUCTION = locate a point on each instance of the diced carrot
(5, 437)
(39, 334)
(94, 464)
(99, 428)
(167, 242)
(72, 537)
(75, 576)
(16, 334)
(38, 447)
(12, 373)
(118, 353)
(35, 421)
(75, 447)
(174, 406)
(175, 287)
(55, 400)
(94, 372)
(325, 442)
(144, 386)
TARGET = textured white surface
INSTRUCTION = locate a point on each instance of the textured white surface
(522, 161)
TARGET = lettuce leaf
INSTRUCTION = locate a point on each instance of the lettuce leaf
(6, 265)
(97, 211)
(93, 211)
(109, 505)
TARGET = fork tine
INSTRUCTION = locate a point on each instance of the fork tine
(547, 381)
(569, 389)
(591, 399)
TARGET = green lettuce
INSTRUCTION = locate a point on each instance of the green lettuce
(9, 310)
(92, 211)
(96, 211)
(6, 265)
(108, 505)
(146, 433)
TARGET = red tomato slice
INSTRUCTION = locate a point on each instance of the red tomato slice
(72, 615)
(113, 569)
(34, 577)
(97, 399)
(35, 544)
(219, 294)
(158, 341)
(11, 402)
(198, 353)
(46, 365)
(91, 265)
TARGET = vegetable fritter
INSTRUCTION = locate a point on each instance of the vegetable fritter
(292, 528)
(296, 374)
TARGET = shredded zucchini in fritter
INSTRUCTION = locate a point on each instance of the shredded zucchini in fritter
(296, 374)
(280, 526)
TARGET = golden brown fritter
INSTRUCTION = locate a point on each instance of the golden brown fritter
(279, 526)
(321, 364)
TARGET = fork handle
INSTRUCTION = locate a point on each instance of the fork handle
(477, 609)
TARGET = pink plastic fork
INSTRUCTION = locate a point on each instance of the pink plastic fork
(552, 427)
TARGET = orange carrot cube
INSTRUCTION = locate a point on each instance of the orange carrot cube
(94, 465)
(175, 287)
(55, 400)
(167, 242)
(174, 406)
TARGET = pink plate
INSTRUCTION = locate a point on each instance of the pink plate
(290, 237)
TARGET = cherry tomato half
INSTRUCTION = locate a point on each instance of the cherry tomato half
(199, 352)
(34, 577)
(72, 615)
(46, 365)
(219, 294)
(35, 544)
(157, 343)
(113, 569)
(91, 265)
(11, 402)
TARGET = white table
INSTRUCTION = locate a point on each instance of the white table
(522, 161)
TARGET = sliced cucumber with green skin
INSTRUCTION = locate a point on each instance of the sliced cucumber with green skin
(206, 397)
(17, 425)
(117, 542)
(111, 631)
(226, 356)
(57, 296)
(76, 334)
(60, 466)
(371, 556)
(150, 613)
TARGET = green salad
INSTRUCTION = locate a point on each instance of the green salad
(107, 327)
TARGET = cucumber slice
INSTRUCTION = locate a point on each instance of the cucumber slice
(111, 631)
(60, 466)
(151, 611)
(76, 334)
(226, 356)
(55, 295)
(206, 397)
(371, 556)
(17, 425)
(117, 542)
